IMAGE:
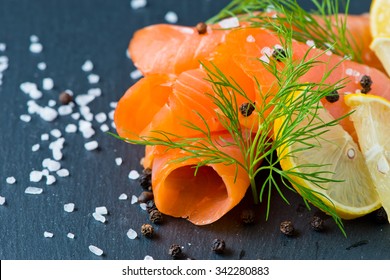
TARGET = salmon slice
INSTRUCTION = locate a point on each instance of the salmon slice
(204, 197)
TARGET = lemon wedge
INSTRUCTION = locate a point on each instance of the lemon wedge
(348, 186)
(371, 120)
(380, 30)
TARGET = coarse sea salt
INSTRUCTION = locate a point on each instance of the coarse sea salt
(36, 47)
(44, 137)
(123, 196)
(136, 74)
(10, 180)
(56, 133)
(75, 116)
(33, 190)
(171, 17)
(229, 22)
(47, 83)
(51, 165)
(101, 117)
(133, 175)
(65, 110)
(41, 66)
(143, 206)
(63, 172)
(102, 210)
(69, 207)
(34, 38)
(48, 114)
(93, 78)
(132, 234)
(2, 200)
(134, 199)
(51, 103)
(98, 217)
(250, 39)
(84, 99)
(87, 66)
(137, 4)
(50, 180)
(25, 118)
(113, 104)
(92, 145)
(70, 235)
(95, 92)
(71, 128)
(48, 234)
(3, 47)
(148, 258)
(35, 147)
(35, 176)
(118, 161)
(104, 128)
(95, 250)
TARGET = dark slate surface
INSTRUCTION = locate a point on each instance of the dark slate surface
(72, 31)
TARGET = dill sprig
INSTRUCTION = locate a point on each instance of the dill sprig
(325, 27)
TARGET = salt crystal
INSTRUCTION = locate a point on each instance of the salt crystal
(123, 196)
(71, 128)
(48, 114)
(63, 172)
(98, 217)
(44, 137)
(48, 234)
(95, 92)
(171, 17)
(56, 133)
(36, 47)
(310, 43)
(102, 210)
(104, 128)
(133, 175)
(118, 161)
(111, 114)
(35, 176)
(35, 94)
(41, 66)
(70, 235)
(113, 104)
(34, 38)
(132, 234)
(65, 110)
(87, 66)
(51, 103)
(229, 22)
(88, 132)
(250, 39)
(136, 74)
(113, 125)
(33, 190)
(45, 172)
(143, 206)
(47, 83)
(92, 145)
(57, 154)
(25, 118)
(10, 180)
(35, 147)
(95, 250)
(51, 165)
(84, 99)
(101, 117)
(84, 125)
(148, 258)
(69, 207)
(75, 116)
(134, 199)
(2, 200)
(3, 47)
(50, 180)
(57, 144)
(137, 4)
(93, 78)
(33, 107)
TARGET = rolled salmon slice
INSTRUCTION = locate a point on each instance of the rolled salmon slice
(202, 197)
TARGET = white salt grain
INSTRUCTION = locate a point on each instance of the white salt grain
(229, 22)
(63, 172)
(84, 99)
(47, 83)
(134, 199)
(95, 92)
(70, 235)
(148, 258)
(137, 4)
(48, 234)
(45, 172)
(132, 234)
(35, 176)
(87, 66)
(111, 114)
(118, 161)
(98, 217)
(41, 66)
(95, 250)
(104, 128)
(35, 147)
(92, 145)
(10, 180)
(133, 175)
(88, 132)
(123, 196)
(33, 190)
(69, 207)
(65, 110)
(71, 128)
(136, 74)
(50, 180)
(51, 165)
(48, 114)
(3, 47)
(102, 210)
(2, 200)
(250, 39)
(44, 137)
(101, 117)
(310, 43)
(113, 104)
(171, 17)
(76, 116)
(34, 38)
(143, 206)
(56, 133)
(36, 47)
(93, 78)
(25, 118)
(57, 154)
(51, 103)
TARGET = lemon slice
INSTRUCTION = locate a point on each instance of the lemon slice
(371, 120)
(380, 30)
(348, 186)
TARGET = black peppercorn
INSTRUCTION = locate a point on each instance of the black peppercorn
(175, 251)
(333, 96)
(246, 109)
(155, 216)
(380, 216)
(287, 228)
(145, 179)
(317, 223)
(366, 83)
(247, 216)
(279, 54)
(147, 230)
(218, 246)
(145, 197)
(201, 27)
(65, 98)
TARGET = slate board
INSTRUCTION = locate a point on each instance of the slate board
(71, 32)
